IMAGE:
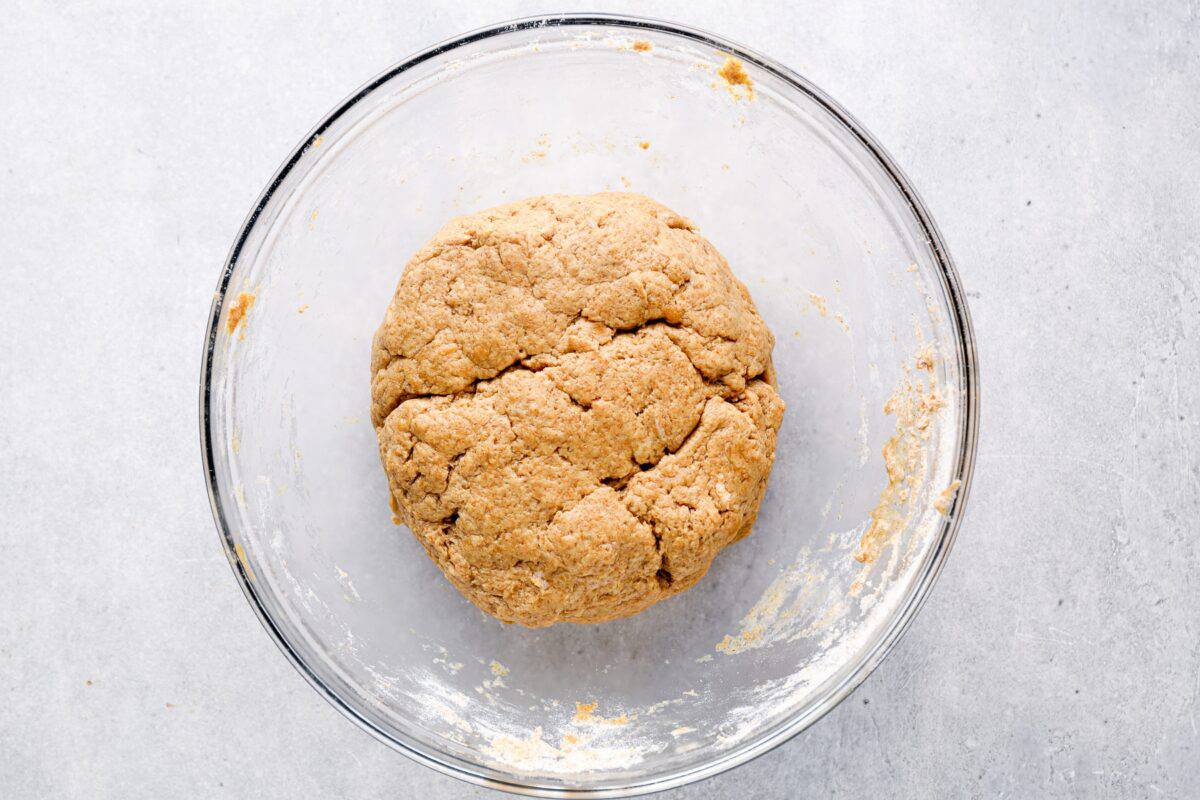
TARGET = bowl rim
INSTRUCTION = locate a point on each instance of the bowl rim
(918, 591)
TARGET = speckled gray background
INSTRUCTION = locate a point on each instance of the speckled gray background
(1058, 146)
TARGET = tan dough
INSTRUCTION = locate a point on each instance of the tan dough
(574, 407)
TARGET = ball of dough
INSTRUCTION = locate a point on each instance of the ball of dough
(574, 405)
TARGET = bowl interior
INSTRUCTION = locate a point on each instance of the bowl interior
(839, 266)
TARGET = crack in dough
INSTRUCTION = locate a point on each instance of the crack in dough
(574, 404)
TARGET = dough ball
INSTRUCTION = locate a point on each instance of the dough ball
(574, 407)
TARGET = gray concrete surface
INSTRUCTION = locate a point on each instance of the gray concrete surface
(1057, 146)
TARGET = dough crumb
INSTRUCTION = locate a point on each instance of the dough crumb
(584, 711)
(819, 303)
(302, 309)
(925, 359)
(498, 669)
(736, 78)
(642, 46)
(644, 145)
(540, 152)
(946, 497)
(237, 312)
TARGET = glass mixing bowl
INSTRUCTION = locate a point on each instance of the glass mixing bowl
(874, 352)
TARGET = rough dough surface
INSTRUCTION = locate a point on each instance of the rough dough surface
(574, 405)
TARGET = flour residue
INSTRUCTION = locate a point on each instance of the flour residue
(347, 584)
(799, 602)
(533, 754)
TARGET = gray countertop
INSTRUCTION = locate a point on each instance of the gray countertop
(1058, 147)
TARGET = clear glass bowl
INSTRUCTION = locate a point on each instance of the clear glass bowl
(844, 264)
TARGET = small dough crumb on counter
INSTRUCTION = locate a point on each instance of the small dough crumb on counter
(642, 46)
